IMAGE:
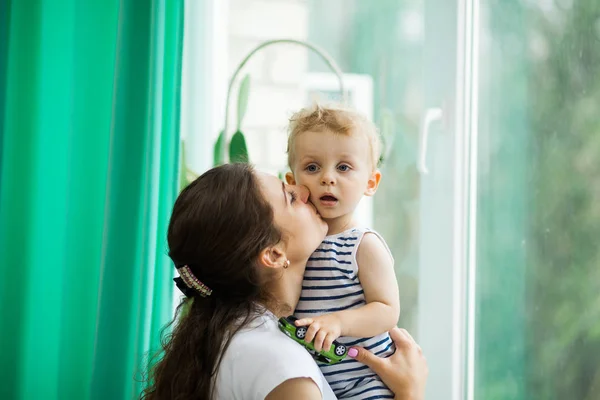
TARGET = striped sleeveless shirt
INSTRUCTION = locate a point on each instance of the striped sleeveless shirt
(331, 284)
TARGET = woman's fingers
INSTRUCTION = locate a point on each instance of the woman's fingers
(367, 358)
(409, 336)
(403, 339)
(405, 371)
(400, 337)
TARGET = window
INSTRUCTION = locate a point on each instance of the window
(537, 296)
(409, 49)
(524, 162)
(490, 199)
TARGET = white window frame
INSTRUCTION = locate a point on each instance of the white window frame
(448, 269)
(467, 172)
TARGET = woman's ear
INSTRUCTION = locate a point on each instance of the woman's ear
(373, 183)
(273, 257)
(289, 178)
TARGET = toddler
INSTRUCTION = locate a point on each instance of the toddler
(349, 291)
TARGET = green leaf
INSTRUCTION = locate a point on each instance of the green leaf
(238, 151)
(218, 152)
(243, 96)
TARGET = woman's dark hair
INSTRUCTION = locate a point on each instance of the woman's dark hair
(219, 225)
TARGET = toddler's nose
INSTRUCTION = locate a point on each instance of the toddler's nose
(327, 179)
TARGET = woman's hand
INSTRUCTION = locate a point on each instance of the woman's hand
(405, 372)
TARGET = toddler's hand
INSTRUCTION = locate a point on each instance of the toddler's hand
(324, 330)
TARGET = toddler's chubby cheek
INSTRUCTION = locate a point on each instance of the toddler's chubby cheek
(314, 201)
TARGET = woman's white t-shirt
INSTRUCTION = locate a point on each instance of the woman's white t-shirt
(260, 358)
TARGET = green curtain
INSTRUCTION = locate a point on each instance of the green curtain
(89, 150)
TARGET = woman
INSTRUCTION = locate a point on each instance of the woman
(240, 241)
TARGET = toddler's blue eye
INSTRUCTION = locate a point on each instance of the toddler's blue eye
(311, 168)
(344, 167)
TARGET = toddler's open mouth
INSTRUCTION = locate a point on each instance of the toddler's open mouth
(328, 200)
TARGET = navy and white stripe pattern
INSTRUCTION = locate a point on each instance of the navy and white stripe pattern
(331, 284)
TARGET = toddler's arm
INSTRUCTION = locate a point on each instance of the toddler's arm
(379, 315)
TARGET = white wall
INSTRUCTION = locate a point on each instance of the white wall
(276, 73)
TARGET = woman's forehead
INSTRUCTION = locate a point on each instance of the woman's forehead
(270, 184)
(267, 179)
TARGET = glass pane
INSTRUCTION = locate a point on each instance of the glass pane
(399, 61)
(367, 39)
(407, 49)
(538, 217)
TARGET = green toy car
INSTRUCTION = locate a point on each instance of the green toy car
(335, 354)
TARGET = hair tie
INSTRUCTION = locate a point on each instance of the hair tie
(188, 292)
(189, 281)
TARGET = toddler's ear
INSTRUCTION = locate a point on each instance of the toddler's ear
(373, 183)
(289, 178)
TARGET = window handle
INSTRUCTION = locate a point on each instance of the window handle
(431, 115)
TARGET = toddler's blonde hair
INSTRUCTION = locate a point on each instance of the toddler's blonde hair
(336, 119)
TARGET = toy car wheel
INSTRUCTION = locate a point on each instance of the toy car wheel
(301, 332)
(340, 350)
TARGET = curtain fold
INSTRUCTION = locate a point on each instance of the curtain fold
(89, 149)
